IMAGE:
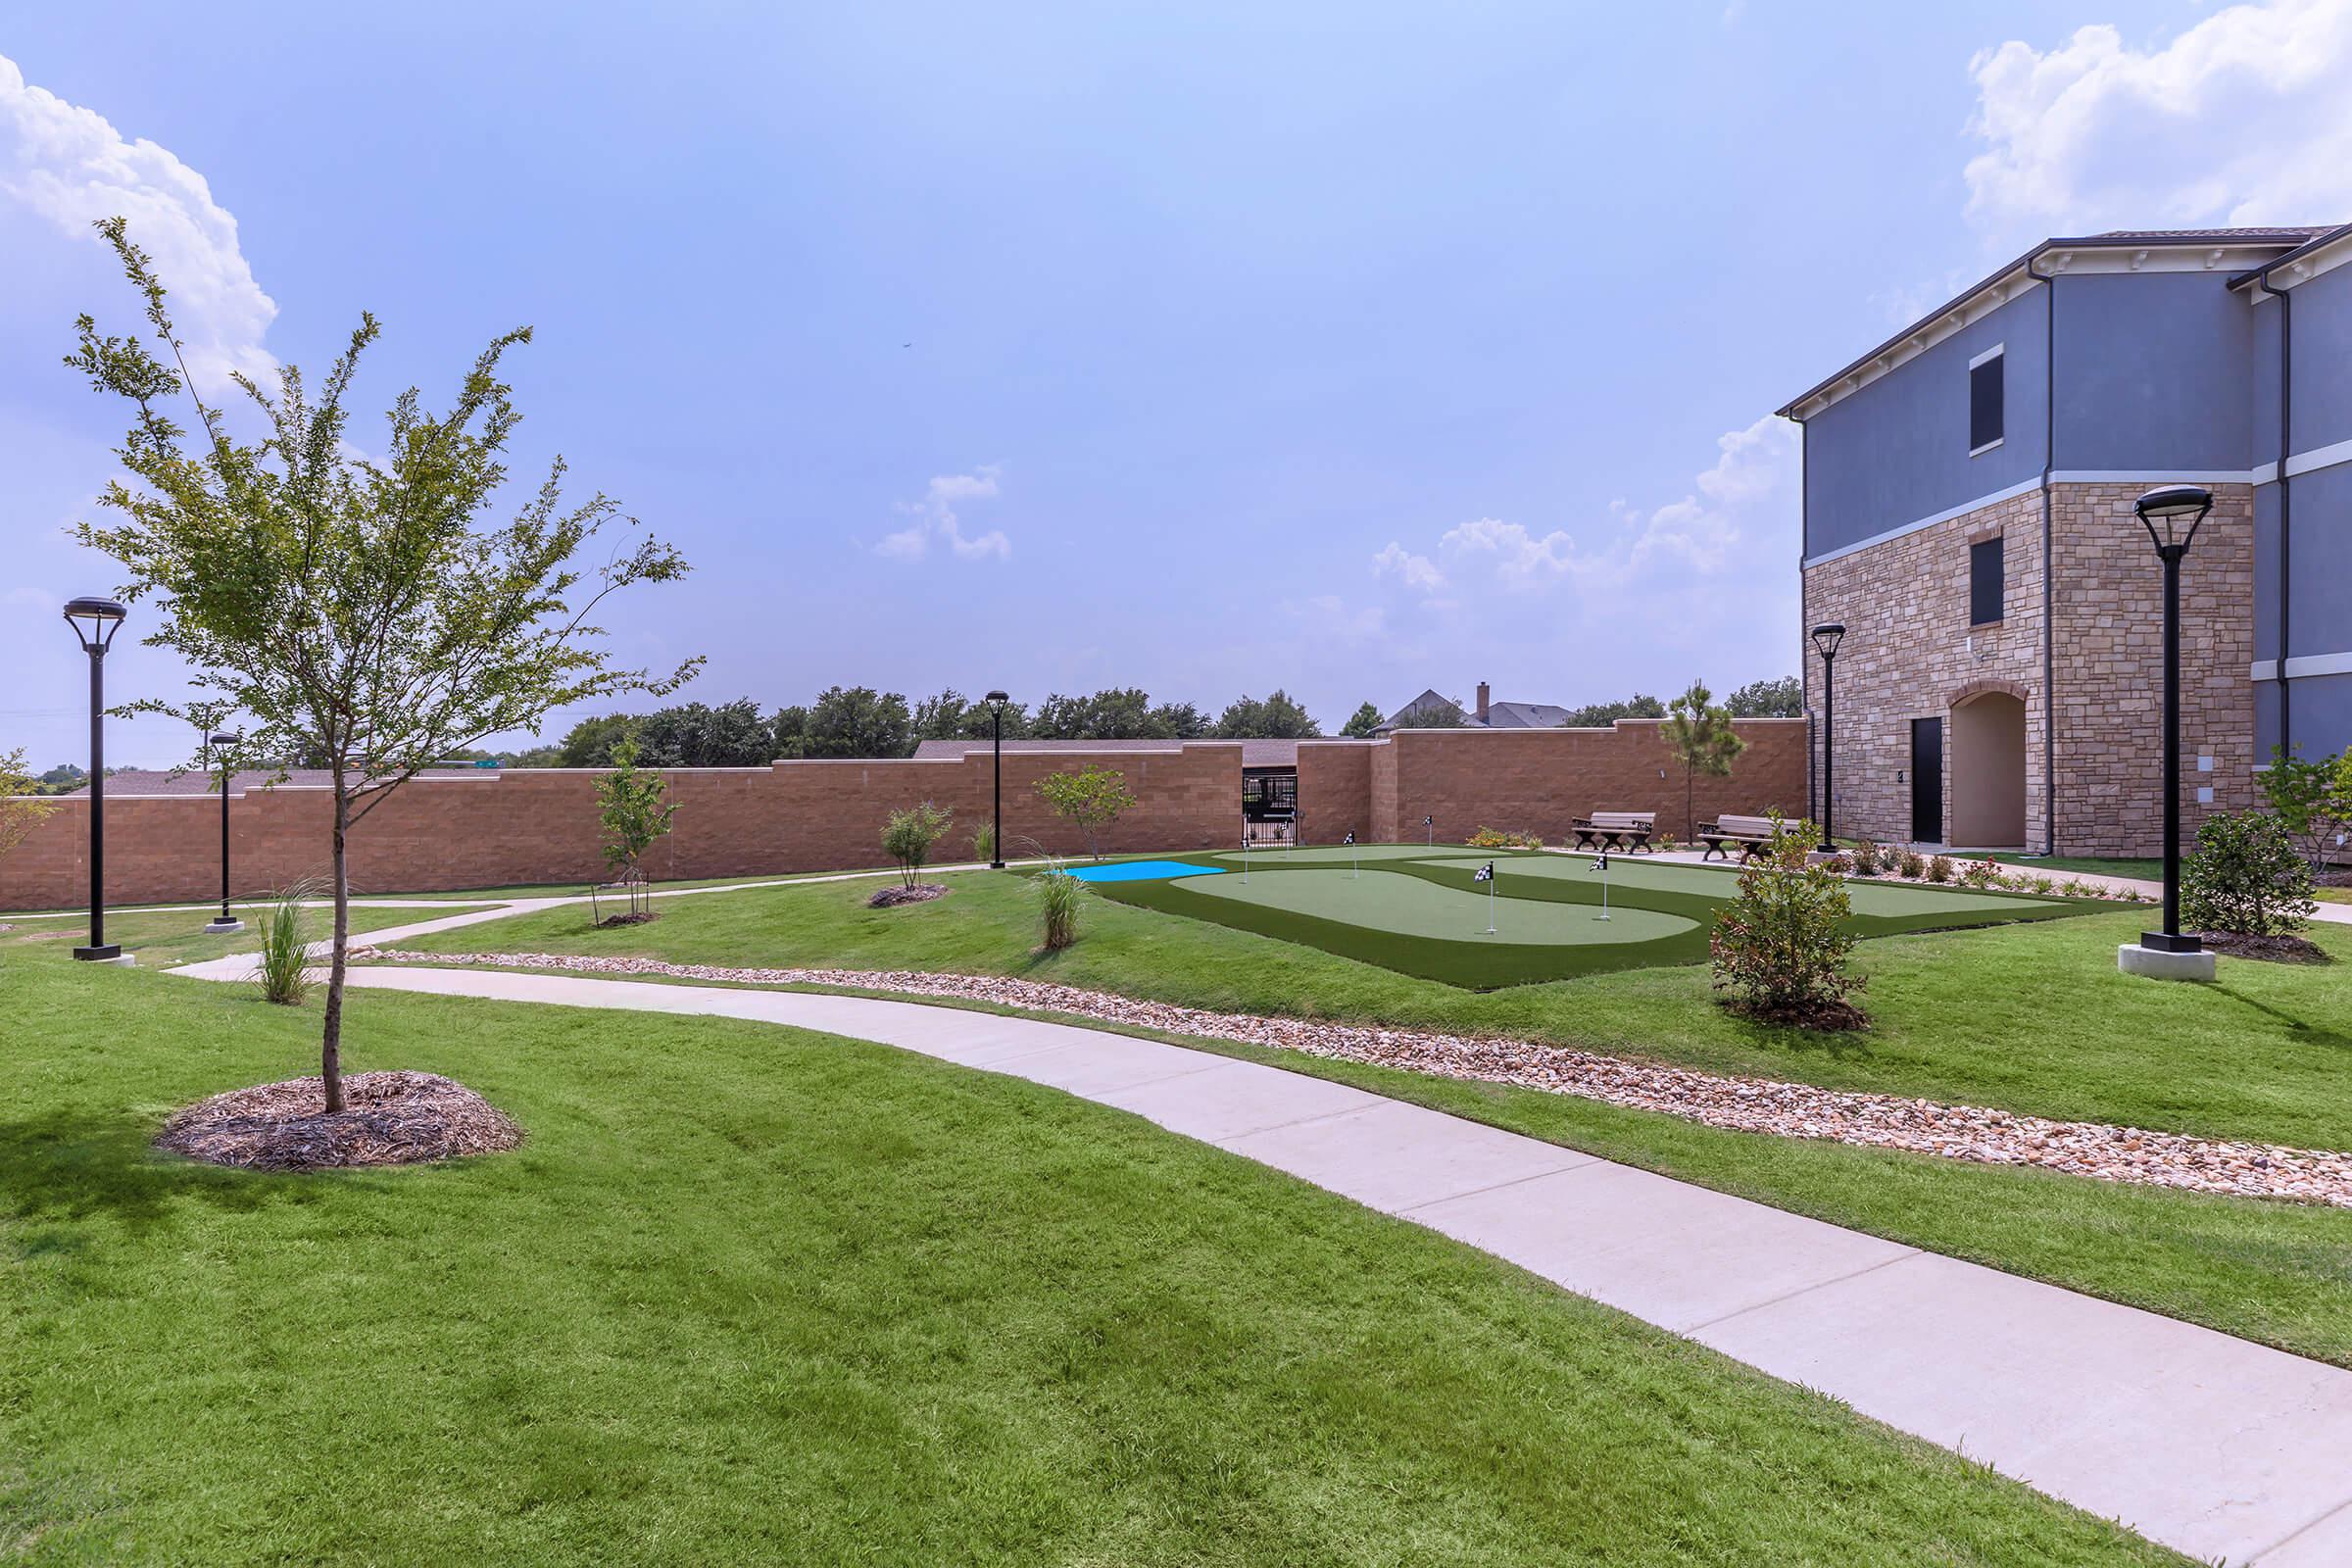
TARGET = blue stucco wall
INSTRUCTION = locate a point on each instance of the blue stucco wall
(2322, 361)
(1897, 449)
(2319, 587)
(2323, 712)
(2154, 371)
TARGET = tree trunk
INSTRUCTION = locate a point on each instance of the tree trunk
(331, 1045)
(1690, 801)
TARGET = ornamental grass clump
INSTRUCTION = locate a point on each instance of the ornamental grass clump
(1780, 947)
(283, 969)
(1059, 895)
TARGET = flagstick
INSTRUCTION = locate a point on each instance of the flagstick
(1490, 906)
(1604, 887)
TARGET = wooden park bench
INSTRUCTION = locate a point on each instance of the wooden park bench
(1615, 830)
(1747, 834)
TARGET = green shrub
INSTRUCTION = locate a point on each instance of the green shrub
(1911, 863)
(1059, 895)
(984, 842)
(1980, 873)
(284, 968)
(1866, 858)
(2246, 877)
(1940, 870)
(1779, 945)
(909, 833)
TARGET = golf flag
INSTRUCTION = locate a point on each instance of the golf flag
(1350, 839)
(1484, 873)
(1601, 862)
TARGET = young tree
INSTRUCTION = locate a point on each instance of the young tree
(1698, 733)
(1090, 798)
(357, 606)
(907, 837)
(634, 805)
(1768, 698)
(1362, 722)
(2313, 800)
(1780, 946)
(20, 812)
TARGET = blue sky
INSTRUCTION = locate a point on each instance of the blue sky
(1350, 349)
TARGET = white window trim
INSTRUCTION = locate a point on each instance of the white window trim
(1978, 452)
(1988, 356)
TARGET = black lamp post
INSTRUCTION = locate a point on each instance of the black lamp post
(2170, 515)
(95, 621)
(996, 839)
(223, 749)
(1826, 638)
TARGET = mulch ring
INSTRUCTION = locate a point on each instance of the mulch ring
(921, 893)
(2274, 950)
(390, 1118)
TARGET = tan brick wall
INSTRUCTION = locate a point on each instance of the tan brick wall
(529, 826)
(1910, 652)
(1335, 792)
(1540, 780)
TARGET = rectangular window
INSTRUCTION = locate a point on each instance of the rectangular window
(1984, 400)
(1985, 582)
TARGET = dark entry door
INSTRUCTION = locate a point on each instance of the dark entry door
(1927, 780)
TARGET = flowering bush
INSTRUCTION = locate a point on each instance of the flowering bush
(1980, 873)
(1910, 863)
(1866, 858)
(1940, 870)
(1494, 838)
(1781, 945)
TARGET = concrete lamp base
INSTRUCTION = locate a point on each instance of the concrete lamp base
(223, 927)
(110, 954)
(2154, 963)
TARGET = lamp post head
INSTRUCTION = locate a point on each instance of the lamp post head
(2171, 513)
(224, 740)
(1826, 638)
(996, 697)
(95, 621)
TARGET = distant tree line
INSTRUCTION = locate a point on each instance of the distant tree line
(859, 721)
(1783, 698)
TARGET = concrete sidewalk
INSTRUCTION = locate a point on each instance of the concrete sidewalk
(2205, 1442)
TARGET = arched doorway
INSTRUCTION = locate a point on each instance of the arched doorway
(1989, 769)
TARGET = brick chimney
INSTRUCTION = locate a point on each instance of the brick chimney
(1481, 701)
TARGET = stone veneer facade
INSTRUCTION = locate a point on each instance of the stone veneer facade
(1911, 652)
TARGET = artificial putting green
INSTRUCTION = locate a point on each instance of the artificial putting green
(1419, 909)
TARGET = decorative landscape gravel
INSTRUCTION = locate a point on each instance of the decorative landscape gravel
(1971, 1133)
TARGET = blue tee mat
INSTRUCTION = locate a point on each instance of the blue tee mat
(1140, 872)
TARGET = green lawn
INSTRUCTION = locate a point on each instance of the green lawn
(160, 939)
(750, 1295)
(2030, 1017)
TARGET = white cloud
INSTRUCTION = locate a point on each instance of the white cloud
(69, 166)
(2244, 119)
(1415, 572)
(936, 521)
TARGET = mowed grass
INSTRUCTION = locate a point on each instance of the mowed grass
(2033, 1017)
(158, 939)
(750, 1295)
